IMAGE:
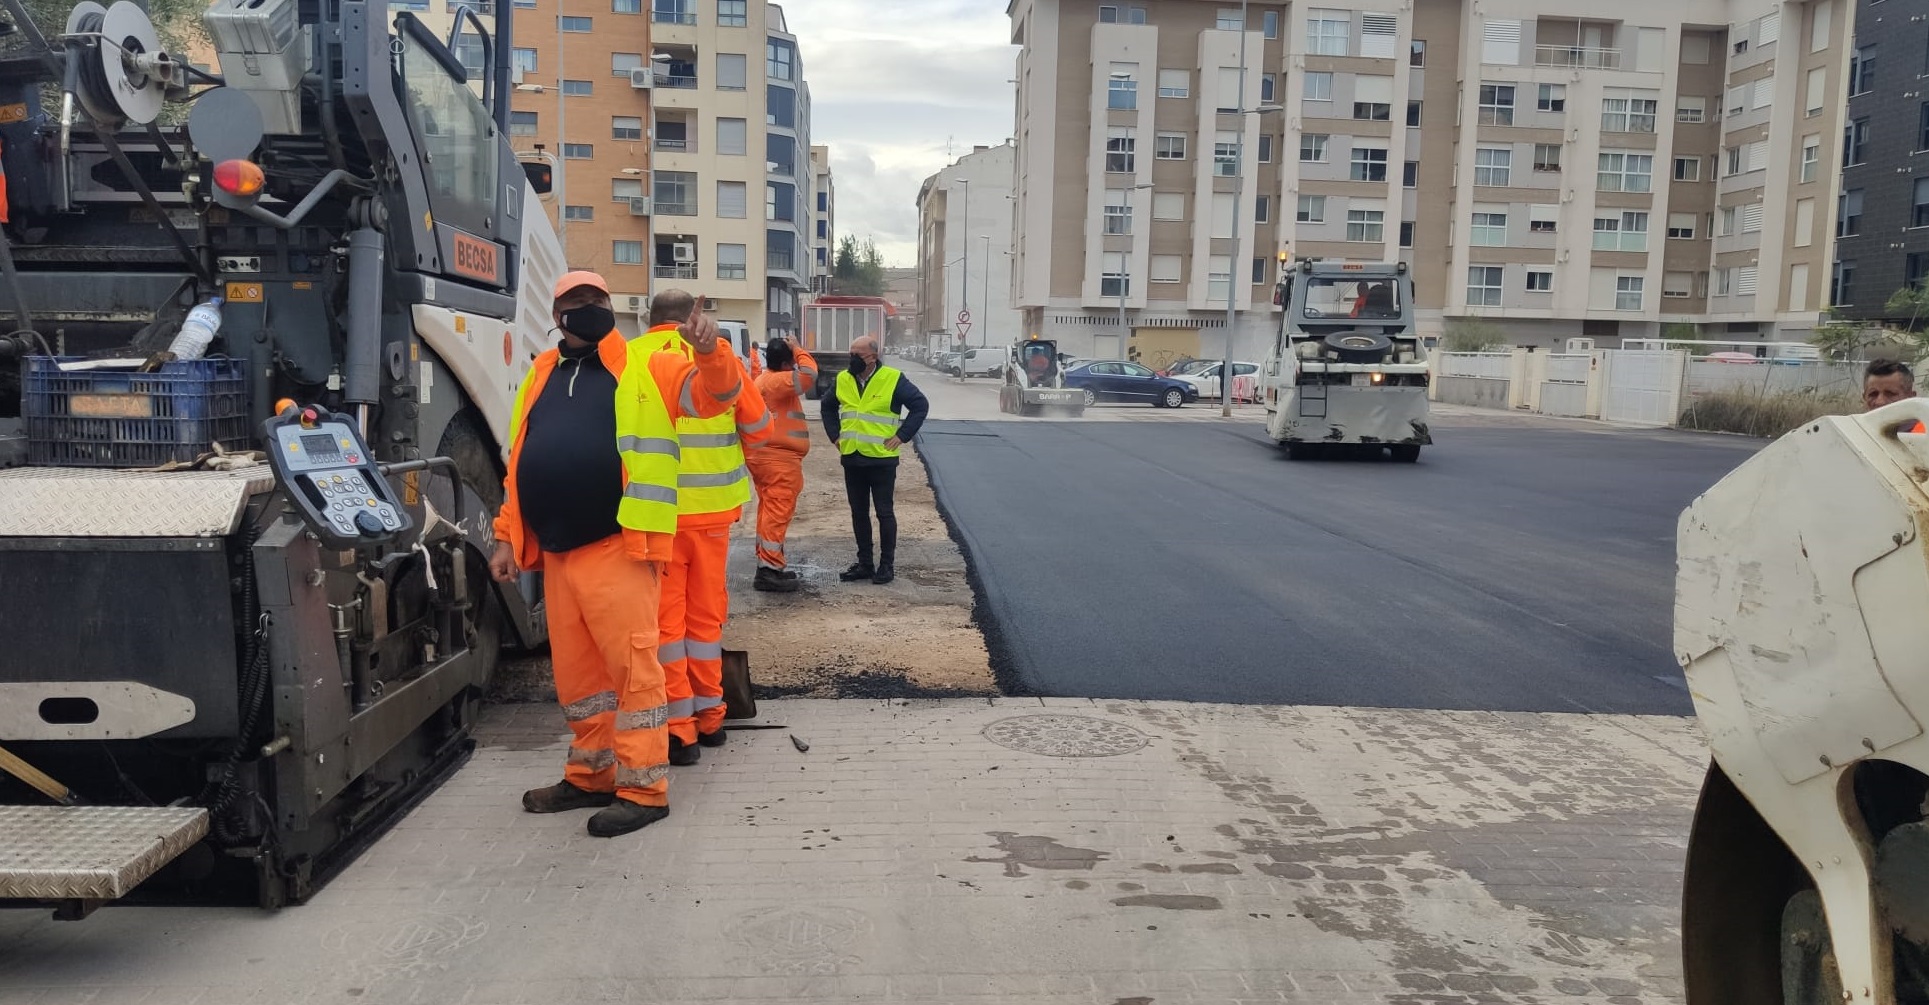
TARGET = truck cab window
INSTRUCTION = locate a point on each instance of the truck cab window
(454, 131)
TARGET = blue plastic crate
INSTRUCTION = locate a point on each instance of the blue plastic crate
(129, 419)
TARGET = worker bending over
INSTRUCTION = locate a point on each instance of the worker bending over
(591, 500)
(713, 483)
(862, 419)
(777, 467)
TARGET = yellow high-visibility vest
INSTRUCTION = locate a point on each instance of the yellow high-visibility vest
(865, 421)
(712, 477)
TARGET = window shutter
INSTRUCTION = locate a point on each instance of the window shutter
(1764, 92)
(1745, 281)
(1378, 33)
(1501, 40)
(1758, 155)
(1373, 89)
(1770, 29)
(1751, 218)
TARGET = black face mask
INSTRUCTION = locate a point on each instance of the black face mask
(589, 323)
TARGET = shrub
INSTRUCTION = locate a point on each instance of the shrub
(1769, 415)
(1472, 336)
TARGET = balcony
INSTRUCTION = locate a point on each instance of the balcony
(673, 12)
(675, 145)
(1577, 57)
(677, 81)
(780, 261)
(685, 270)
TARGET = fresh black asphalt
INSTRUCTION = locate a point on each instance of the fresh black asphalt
(1519, 566)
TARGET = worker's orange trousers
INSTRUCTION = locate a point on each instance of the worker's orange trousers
(779, 477)
(696, 602)
(602, 642)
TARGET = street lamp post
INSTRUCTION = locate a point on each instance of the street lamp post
(562, 151)
(964, 280)
(984, 319)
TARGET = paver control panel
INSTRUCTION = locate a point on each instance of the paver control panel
(322, 463)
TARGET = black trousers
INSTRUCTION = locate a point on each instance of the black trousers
(873, 485)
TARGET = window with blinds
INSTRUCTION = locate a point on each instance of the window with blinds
(1500, 41)
(1378, 34)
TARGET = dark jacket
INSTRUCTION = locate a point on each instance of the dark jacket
(905, 399)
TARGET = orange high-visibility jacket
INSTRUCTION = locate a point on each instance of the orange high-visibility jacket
(783, 393)
(707, 387)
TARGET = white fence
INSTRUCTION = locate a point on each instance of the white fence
(1641, 386)
(1491, 365)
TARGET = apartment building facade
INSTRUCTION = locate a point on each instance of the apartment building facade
(1882, 219)
(732, 124)
(1549, 171)
(965, 250)
(823, 244)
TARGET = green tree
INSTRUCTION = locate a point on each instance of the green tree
(859, 268)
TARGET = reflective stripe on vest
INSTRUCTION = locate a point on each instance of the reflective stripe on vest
(711, 474)
(865, 421)
(646, 439)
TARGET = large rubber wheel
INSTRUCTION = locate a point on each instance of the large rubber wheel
(1091, 397)
(1359, 347)
(1738, 883)
(475, 460)
(1405, 453)
(1173, 398)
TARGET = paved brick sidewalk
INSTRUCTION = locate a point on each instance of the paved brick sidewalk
(945, 852)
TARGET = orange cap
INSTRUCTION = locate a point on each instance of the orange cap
(581, 277)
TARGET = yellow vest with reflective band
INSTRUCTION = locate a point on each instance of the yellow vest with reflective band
(646, 438)
(865, 421)
(712, 478)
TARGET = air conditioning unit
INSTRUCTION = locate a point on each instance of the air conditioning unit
(643, 78)
(637, 305)
(683, 252)
(1580, 345)
(710, 304)
(639, 205)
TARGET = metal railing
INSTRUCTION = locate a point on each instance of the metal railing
(681, 83)
(1578, 56)
(675, 208)
(685, 270)
(674, 17)
(676, 144)
(781, 260)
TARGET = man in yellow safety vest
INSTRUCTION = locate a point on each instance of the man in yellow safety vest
(862, 418)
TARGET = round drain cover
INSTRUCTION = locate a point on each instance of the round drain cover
(1066, 736)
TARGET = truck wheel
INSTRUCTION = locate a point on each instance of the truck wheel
(1405, 453)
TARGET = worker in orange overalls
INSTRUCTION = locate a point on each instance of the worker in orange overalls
(1886, 382)
(713, 483)
(591, 500)
(777, 467)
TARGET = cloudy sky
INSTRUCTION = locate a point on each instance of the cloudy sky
(893, 82)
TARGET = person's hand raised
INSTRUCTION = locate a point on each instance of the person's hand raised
(700, 331)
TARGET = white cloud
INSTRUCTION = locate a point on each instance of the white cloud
(892, 87)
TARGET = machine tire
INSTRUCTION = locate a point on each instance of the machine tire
(1405, 453)
(1738, 882)
(1091, 397)
(1358, 347)
(1172, 398)
(475, 460)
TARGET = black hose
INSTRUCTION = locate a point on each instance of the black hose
(220, 793)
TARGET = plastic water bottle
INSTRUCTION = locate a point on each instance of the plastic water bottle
(198, 330)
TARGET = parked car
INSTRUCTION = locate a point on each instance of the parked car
(1206, 379)
(1183, 366)
(985, 362)
(942, 361)
(1121, 380)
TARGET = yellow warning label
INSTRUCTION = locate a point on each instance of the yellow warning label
(411, 488)
(461, 324)
(244, 293)
(13, 113)
(304, 286)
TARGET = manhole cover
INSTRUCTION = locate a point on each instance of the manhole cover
(1066, 736)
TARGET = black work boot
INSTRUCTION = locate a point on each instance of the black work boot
(884, 573)
(563, 796)
(623, 816)
(861, 569)
(773, 581)
(716, 739)
(684, 754)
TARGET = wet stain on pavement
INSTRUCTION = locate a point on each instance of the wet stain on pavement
(1214, 868)
(1038, 852)
(1171, 901)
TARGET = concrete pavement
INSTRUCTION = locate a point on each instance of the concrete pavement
(1004, 850)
